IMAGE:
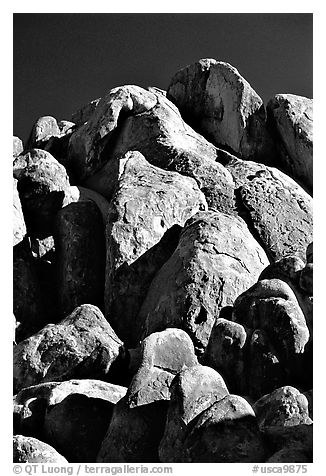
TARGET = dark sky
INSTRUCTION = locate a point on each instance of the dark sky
(62, 61)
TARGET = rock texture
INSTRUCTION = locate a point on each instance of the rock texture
(81, 345)
(292, 117)
(138, 420)
(271, 305)
(193, 390)
(163, 277)
(227, 432)
(31, 450)
(43, 129)
(219, 103)
(286, 406)
(278, 211)
(28, 304)
(19, 222)
(147, 203)
(80, 248)
(42, 185)
(153, 126)
(72, 416)
(18, 146)
(215, 260)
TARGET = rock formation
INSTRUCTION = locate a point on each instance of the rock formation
(163, 277)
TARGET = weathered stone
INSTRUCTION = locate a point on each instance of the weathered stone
(76, 423)
(43, 247)
(227, 432)
(292, 117)
(18, 146)
(287, 269)
(138, 420)
(289, 438)
(309, 253)
(155, 90)
(42, 184)
(278, 211)
(43, 410)
(148, 202)
(159, 133)
(19, 222)
(85, 112)
(225, 353)
(83, 345)
(163, 355)
(271, 305)
(290, 269)
(31, 450)
(80, 256)
(306, 279)
(89, 141)
(285, 406)
(309, 397)
(27, 293)
(264, 370)
(216, 259)
(193, 390)
(218, 102)
(44, 128)
(131, 283)
(66, 127)
(290, 455)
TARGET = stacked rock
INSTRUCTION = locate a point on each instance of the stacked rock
(163, 277)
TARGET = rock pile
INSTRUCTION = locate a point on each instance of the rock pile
(163, 277)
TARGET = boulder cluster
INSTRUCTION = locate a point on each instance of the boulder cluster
(163, 269)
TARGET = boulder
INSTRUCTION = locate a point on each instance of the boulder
(292, 119)
(216, 259)
(66, 126)
(80, 255)
(278, 211)
(83, 114)
(88, 143)
(227, 432)
(18, 146)
(271, 305)
(42, 185)
(19, 230)
(290, 269)
(44, 128)
(225, 353)
(77, 421)
(31, 450)
(83, 345)
(290, 455)
(285, 406)
(309, 397)
(138, 419)
(284, 441)
(287, 269)
(309, 253)
(148, 201)
(28, 305)
(306, 279)
(193, 390)
(43, 248)
(264, 369)
(153, 126)
(219, 103)
(72, 416)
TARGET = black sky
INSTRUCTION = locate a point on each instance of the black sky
(62, 61)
